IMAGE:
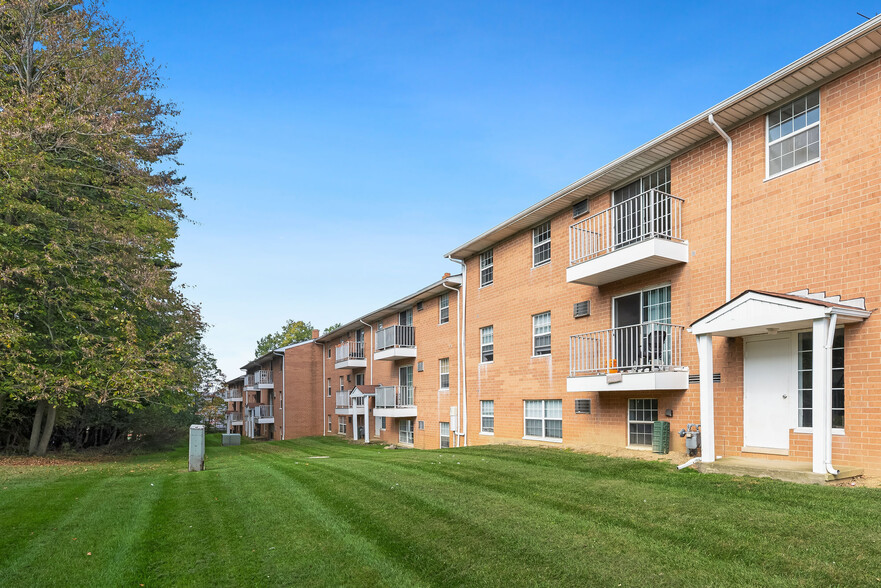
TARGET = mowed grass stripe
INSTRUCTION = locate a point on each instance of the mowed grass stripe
(264, 514)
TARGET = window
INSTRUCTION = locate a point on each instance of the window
(328, 387)
(359, 379)
(793, 135)
(342, 383)
(541, 244)
(341, 428)
(486, 416)
(379, 325)
(486, 344)
(641, 414)
(444, 305)
(328, 354)
(405, 318)
(444, 373)
(382, 423)
(405, 431)
(444, 435)
(541, 334)
(806, 380)
(486, 268)
(329, 424)
(543, 419)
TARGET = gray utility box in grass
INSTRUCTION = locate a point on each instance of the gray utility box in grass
(197, 448)
(231, 439)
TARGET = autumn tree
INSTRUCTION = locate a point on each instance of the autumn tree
(89, 211)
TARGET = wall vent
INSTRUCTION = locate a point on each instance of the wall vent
(421, 425)
(696, 378)
(580, 208)
(418, 306)
(581, 309)
(582, 406)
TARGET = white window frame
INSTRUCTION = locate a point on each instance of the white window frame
(799, 428)
(341, 425)
(329, 388)
(329, 424)
(484, 266)
(629, 422)
(408, 431)
(544, 227)
(487, 411)
(536, 334)
(342, 383)
(443, 305)
(442, 436)
(359, 377)
(486, 334)
(382, 424)
(440, 365)
(544, 420)
(768, 142)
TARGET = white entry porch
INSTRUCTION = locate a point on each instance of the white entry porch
(769, 324)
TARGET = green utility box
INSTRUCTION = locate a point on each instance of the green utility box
(661, 437)
(231, 439)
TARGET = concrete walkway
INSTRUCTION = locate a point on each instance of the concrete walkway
(788, 471)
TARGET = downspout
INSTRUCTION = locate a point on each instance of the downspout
(372, 343)
(284, 405)
(827, 391)
(458, 358)
(462, 408)
(323, 395)
(725, 136)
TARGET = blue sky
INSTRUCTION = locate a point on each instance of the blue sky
(337, 150)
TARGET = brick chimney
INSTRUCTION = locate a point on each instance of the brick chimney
(315, 333)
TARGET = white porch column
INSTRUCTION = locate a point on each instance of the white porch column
(355, 421)
(708, 429)
(820, 400)
(366, 419)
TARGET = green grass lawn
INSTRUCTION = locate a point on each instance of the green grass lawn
(266, 514)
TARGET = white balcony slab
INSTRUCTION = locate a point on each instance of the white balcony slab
(395, 353)
(632, 260)
(265, 420)
(347, 411)
(397, 412)
(351, 363)
(629, 382)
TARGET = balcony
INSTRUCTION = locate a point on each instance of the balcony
(233, 395)
(350, 355)
(646, 356)
(235, 418)
(346, 405)
(395, 401)
(259, 380)
(263, 414)
(639, 235)
(395, 342)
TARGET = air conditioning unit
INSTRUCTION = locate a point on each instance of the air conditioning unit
(420, 367)
(581, 309)
(418, 306)
(582, 406)
(580, 208)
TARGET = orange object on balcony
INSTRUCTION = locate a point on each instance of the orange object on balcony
(613, 366)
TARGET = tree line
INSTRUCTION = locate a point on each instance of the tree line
(97, 342)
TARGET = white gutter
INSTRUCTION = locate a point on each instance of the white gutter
(323, 395)
(372, 343)
(827, 391)
(462, 406)
(727, 209)
(458, 357)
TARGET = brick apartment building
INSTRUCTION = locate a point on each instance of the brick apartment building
(723, 274)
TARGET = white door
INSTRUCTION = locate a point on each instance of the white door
(767, 386)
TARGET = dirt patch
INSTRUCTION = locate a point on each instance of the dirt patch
(54, 460)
